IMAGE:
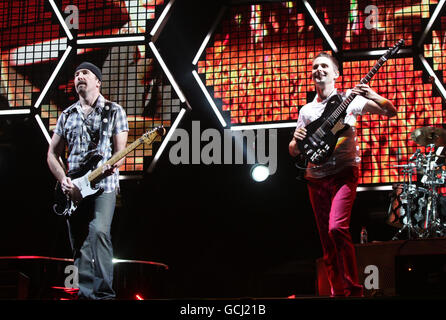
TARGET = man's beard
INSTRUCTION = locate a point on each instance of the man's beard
(82, 90)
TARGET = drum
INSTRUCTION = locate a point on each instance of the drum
(394, 213)
(406, 198)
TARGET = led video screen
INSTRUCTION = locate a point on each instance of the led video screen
(33, 42)
(258, 62)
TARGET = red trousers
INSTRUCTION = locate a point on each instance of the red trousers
(332, 200)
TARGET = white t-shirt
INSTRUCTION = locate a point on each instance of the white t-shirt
(346, 152)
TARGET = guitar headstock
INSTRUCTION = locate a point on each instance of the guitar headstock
(392, 51)
(160, 130)
(152, 134)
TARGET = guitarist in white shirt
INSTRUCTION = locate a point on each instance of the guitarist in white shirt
(332, 184)
(79, 129)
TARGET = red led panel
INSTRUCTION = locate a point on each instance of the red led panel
(436, 49)
(32, 43)
(358, 24)
(103, 18)
(258, 67)
(260, 61)
(26, 26)
(385, 142)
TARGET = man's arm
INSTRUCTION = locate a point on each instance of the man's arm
(377, 104)
(299, 134)
(55, 150)
(119, 143)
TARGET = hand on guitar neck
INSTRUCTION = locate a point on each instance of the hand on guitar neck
(365, 91)
(108, 170)
(377, 104)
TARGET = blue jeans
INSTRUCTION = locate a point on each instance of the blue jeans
(89, 230)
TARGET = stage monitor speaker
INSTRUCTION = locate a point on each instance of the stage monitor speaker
(376, 269)
(421, 275)
(402, 267)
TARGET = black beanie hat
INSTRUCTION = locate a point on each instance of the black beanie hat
(90, 66)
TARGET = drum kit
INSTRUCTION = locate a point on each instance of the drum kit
(416, 206)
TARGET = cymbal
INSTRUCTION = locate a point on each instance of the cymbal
(429, 135)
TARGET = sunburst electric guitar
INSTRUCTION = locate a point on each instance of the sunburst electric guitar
(88, 175)
(323, 133)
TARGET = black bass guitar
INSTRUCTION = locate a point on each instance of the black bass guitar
(323, 133)
(88, 175)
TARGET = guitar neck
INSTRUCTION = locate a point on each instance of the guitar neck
(118, 156)
(343, 106)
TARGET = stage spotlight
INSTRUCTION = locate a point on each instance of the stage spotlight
(259, 172)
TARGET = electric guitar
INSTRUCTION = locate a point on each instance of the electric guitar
(323, 133)
(86, 177)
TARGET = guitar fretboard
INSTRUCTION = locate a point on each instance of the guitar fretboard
(121, 154)
(344, 105)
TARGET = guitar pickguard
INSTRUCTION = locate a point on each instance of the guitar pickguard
(85, 187)
(339, 127)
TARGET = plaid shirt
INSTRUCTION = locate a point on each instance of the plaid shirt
(82, 136)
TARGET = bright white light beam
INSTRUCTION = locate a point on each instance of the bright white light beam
(431, 22)
(166, 139)
(167, 72)
(208, 36)
(209, 98)
(264, 126)
(14, 111)
(110, 40)
(375, 188)
(53, 76)
(320, 26)
(61, 20)
(259, 172)
(42, 127)
(432, 73)
(161, 18)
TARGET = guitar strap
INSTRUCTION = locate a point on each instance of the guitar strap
(105, 122)
(343, 95)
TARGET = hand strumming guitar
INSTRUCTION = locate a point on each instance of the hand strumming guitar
(70, 189)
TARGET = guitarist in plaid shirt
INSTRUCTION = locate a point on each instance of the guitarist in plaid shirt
(79, 129)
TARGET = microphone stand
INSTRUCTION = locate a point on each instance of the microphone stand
(432, 225)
